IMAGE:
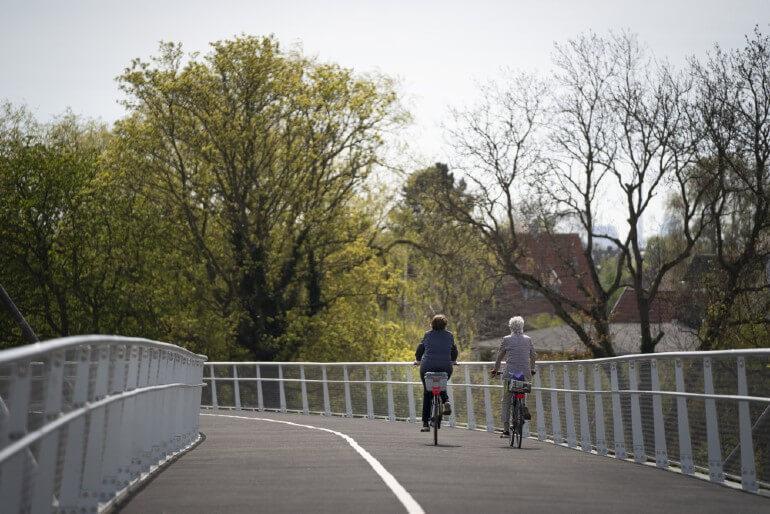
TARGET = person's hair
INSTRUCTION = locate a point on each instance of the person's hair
(516, 324)
(438, 322)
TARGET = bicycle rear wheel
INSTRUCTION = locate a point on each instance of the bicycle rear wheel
(436, 419)
(516, 424)
(512, 422)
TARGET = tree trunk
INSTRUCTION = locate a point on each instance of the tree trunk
(603, 338)
(648, 342)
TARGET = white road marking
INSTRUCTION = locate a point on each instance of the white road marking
(406, 499)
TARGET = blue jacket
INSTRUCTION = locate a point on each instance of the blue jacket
(437, 349)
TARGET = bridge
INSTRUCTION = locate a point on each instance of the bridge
(98, 423)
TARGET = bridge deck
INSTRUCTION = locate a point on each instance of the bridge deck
(248, 465)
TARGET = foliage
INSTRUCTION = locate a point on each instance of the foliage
(233, 209)
(259, 154)
(543, 320)
(227, 212)
(733, 108)
(444, 266)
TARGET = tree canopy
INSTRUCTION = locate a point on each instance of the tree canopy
(237, 208)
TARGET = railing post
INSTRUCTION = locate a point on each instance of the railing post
(636, 416)
(96, 426)
(154, 407)
(348, 403)
(661, 451)
(369, 405)
(487, 400)
(281, 390)
(327, 406)
(410, 393)
(748, 470)
(142, 405)
(197, 393)
(450, 394)
(555, 415)
(469, 399)
(391, 407)
(569, 417)
(214, 399)
(13, 487)
(539, 405)
(159, 440)
(126, 430)
(601, 441)
(236, 388)
(42, 495)
(181, 398)
(585, 430)
(69, 492)
(260, 397)
(712, 426)
(191, 407)
(303, 386)
(683, 423)
(173, 434)
(617, 414)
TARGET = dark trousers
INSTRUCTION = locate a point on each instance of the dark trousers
(427, 397)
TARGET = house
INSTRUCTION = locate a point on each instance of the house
(558, 260)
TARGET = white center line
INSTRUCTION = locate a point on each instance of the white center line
(406, 499)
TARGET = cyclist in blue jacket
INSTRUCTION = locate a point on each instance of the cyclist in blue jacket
(436, 352)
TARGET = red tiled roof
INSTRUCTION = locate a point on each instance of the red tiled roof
(662, 310)
(557, 257)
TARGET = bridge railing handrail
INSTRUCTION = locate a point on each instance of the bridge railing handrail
(671, 355)
(84, 419)
(642, 399)
(64, 343)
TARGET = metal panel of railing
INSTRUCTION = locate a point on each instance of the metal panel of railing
(698, 413)
(83, 419)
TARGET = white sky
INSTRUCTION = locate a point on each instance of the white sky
(59, 54)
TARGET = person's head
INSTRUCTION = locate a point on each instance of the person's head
(438, 322)
(516, 324)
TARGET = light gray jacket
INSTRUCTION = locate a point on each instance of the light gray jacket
(519, 355)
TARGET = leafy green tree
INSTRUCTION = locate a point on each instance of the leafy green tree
(77, 251)
(444, 266)
(258, 154)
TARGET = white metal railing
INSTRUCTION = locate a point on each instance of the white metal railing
(700, 413)
(83, 419)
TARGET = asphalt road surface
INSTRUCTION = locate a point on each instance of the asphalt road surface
(252, 465)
